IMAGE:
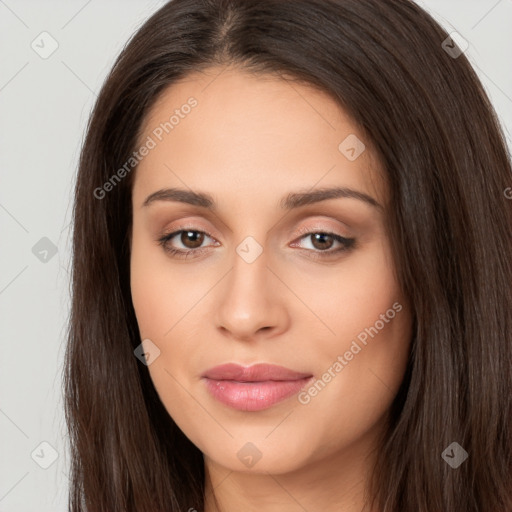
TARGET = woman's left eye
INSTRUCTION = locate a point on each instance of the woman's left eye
(192, 239)
(323, 242)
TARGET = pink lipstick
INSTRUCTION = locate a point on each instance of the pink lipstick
(253, 388)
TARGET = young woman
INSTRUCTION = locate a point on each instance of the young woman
(292, 268)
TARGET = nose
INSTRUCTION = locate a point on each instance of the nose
(251, 301)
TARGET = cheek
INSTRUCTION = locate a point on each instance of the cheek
(153, 307)
(350, 297)
(161, 299)
(159, 294)
(362, 351)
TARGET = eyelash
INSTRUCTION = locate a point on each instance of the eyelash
(347, 243)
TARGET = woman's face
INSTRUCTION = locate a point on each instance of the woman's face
(273, 276)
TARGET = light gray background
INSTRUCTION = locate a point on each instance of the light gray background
(44, 107)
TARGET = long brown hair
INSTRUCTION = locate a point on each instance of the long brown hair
(438, 136)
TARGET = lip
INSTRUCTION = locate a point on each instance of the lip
(253, 388)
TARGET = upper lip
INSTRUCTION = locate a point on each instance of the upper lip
(254, 373)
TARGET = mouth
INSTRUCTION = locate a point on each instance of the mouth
(253, 388)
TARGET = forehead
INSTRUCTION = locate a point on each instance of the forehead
(248, 130)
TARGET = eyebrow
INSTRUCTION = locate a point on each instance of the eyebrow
(291, 201)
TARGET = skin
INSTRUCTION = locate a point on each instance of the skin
(250, 141)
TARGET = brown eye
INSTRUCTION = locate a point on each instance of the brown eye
(185, 242)
(323, 244)
(192, 239)
(322, 241)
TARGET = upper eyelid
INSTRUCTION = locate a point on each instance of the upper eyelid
(193, 220)
(301, 231)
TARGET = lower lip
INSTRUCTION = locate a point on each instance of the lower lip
(254, 396)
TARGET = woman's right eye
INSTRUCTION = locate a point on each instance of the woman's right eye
(192, 236)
